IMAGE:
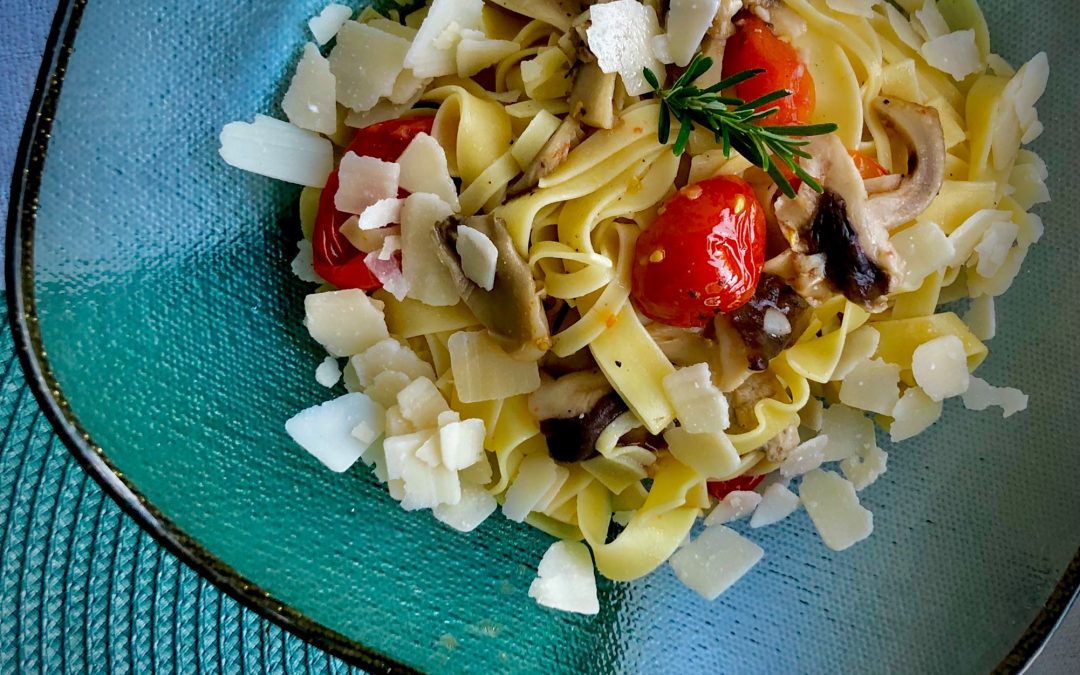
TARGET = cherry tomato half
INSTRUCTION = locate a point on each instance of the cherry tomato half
(721, 488)
(753, 47)
(336, 260)
(702, 255)
(868, 166)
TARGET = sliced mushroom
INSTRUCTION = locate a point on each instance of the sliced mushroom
(592, 100)
(569, 396)
(558, 13)
(566, 138)
(511, 311)
(574, 439)
(804, 273)
(773, 302)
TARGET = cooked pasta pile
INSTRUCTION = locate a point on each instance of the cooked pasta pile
(543, 153)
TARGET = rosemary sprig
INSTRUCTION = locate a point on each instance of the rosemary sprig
(735, 122)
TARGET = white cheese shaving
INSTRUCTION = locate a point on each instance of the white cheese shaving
(364, 181)
(955, 53)
(391, 245)
(388, 273)
(940, 367)
(565, 579)
(735, 505)
(981, 318)
(369, 241)
(776, 323)
(461, 443)
(389, 354)
(700, 406)
(924, 249)
(913, 414)
(303, 265)
(981, 395)
(310, 102)
(329, 21)
(325, 430)
(535, 477)
(804, 457)
(902, 27)
(421, 403)
(424, 169)
(994, 247)
(385, 388)
(475, 54)
(620, 35)
(873, 386)
(475, 506)
(328, 373)
(479, 256)
(930, 18)
(860, 345)
(366, 62)
(433, 51)
(687, 21)
(484, 372)
(864, 8)
(719, 557)
(965, 238)
(279, 150)
(1028, 180)
(385, 211)
(834, 509)
(810, 416)
(429, 280)
(848, 431)
(777, 503)
(866, 467)
(344, 322)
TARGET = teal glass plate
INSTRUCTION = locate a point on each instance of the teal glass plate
(161, 330)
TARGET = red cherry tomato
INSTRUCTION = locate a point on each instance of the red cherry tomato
(868, 166)
(721, 488)
(336, 260)
(702, 255)
(753, 47)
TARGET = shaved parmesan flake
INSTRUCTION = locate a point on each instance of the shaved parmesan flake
(380, 112)
(310, 102)
(967, 236)
(303, 265)
(981, 395)
(479, 256)
(913, 414)
(565, 579)
(328, 373)
(279, 150)
(385, 388)
(776, 323)
(834, 509)
(384, 212)
(981, 318)
(700, 406)
(473, 55)
(368, 241)
(401, 448)
(430, 453)
(994, 247)
(872, 385)
(719, 557)
(561, 474)
(396, 424)
(391, 245)
(860, 345)
(810, 416)
(329, 21)
(1028, 180)
(421, 403)
(534, 479)
(863, 8)
(804, 457)
(865, 468)
(735, 505)
(484, 372)
(388, 273)
(424, 169)
(389, 354)
(364, 181)
(433, 51)
(777, 503)
(955, 54)
(344, 322)
(366, 63)
(475, 506)
(687, 21)
(902, 27)
(620, 35)
(925, 249)
(429, 280)
(940, 367)
(848, 431)
(326, 430)
(930, 18)
(461, 443)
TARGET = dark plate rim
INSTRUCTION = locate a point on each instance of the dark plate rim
(18, 274)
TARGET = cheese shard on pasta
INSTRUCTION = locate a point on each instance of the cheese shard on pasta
(366, 62)
(328, 22)
(429, 280)
(421, 403)
(620, 36)
(344, 322)
(475, 506)
(310, 102)
(687, 21)
(328, 373)
(848, 430)
(389, 354)
(859, 346)
(834, 508)
(461, 443)
(981, 317)
(940, 367)
(873, 386)
(864, 8)
(735, 505)
(484, 372)
(925, 249)
(913, 414)
(424, 169)
(981, 395)
(479, 256)
(719, 557)
(777, 503)
(277, 149)
(433, 50)
(326, 430)
(565, 579)
(364, 181)
(700, 406)
(866, 467)
(805, 457)
(954, 53)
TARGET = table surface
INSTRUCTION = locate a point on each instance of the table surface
(81, 587)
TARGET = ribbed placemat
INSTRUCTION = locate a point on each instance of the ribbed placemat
(83, 589)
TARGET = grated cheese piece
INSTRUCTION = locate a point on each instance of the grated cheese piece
(344, 322)
(279, 150)
(955, 53)
(483, 371)
(389, 354)
(565, 579)
(924, 249)
(385, 211)
(421, 403)
(388, 273)
(902, 27)
(873, 386)
(385, 387)
(620, 35)
(700, 406)
(866, 467)
(981, 318)
(859, 347)
(993, 248)
(303, 265)
(328, 373)
(735, 505)
(461, 443)
(940, 367)
(804, 457)
(834, 509)
(777, 503)
(329, 21)
(366, 62)
(364, 181)
(325, 430)
(719, 557)
(310, 101)
(967, 236)
(913, 414)
(424, 169)
(474, 507)
(810, 416)
(429, 280)
(534, 479)
(433, 50)
(687, 21)
(848, 431)
(981, 395)
(930, 18)
(479, 256)
(476, 53)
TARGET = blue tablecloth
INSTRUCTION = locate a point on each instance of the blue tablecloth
(82, 589)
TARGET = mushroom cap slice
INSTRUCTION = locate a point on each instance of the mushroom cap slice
(511, 311)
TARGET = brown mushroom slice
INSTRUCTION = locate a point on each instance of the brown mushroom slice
(592, 100)
(920, 129)
(574, 439)
(511, 311)
(558, 13)
(569, 396)
(566, 138)
(771, 321)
